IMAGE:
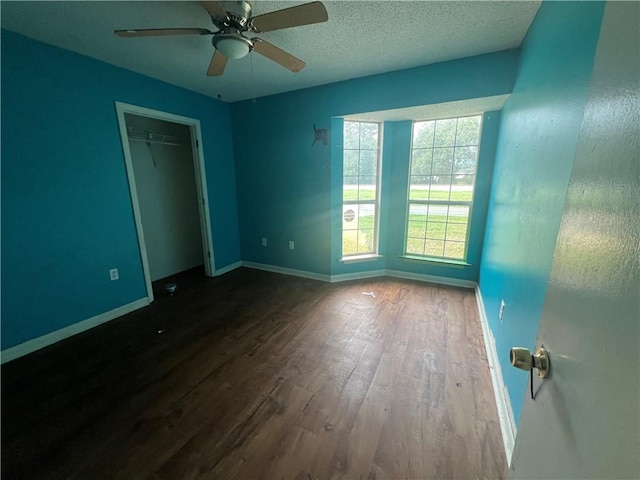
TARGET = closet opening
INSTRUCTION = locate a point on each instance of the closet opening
(167, 183)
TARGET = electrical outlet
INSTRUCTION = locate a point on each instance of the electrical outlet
(291, 245)
(264, 242)
(113, 274)
(501, 312)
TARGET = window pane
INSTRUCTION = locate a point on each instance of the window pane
(350, 188)
(367, 180)
(454, 250)
(349, 217)
(457, 231)
(417, 213)
(350, 159)
(442, 161)
(458, 214)
(465, 159)
(463, 180)
(434, 248)
(349, 242)
(365, 241)
(417, 229)
(440, 190)
(418, 189)
(367, 190)
(468, 132)
(351, 135)
(368, 160)
(366, 215)
(369, 136)
(462, 191)
(445, 135)
(437, 213)
(358, 229)
(415, 246)
(421, 162)
(366, 224)
(350, 180)
(436, 230)
(423, 134)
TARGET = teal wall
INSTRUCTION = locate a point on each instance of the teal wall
(66, 211)
(537, 142)
(288, 189)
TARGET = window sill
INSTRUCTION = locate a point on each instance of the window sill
(435, 261)
(360, 258)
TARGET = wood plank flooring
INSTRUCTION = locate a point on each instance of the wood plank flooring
(260, 375)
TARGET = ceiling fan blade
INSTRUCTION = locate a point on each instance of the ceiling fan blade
(278, 55)
(306, 14)
(156, 32)
(217, 65)
(215, 9)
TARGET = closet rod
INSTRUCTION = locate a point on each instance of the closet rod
(156, 141)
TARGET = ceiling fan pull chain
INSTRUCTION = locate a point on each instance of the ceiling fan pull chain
(253, 82)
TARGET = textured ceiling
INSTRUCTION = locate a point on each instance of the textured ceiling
(361, 38)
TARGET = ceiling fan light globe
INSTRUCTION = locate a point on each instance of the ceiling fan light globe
(233, 47)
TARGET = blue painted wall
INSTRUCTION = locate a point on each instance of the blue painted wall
(290, 190)
(66, 211)
(537, 142)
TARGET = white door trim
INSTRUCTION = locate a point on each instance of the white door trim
(201, 184)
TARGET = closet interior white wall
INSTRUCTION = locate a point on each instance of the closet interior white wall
(167, 182)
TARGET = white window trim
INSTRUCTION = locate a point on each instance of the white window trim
(369, 257)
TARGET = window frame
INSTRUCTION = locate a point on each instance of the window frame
(469, 204)
(374, 253)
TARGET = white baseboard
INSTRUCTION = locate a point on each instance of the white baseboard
(361, 275)
(505, 414)
(344, 277)
(228, 268)
(66, 332)
(287, 271)
(406, 275)
(454, 282)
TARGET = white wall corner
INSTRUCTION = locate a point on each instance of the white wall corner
(228, 268)
(66, 332)
(500, 392)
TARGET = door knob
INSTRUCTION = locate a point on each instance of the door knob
(523, 359)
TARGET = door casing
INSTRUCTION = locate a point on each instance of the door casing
(200, 180)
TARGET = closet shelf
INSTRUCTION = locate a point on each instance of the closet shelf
(150, 137)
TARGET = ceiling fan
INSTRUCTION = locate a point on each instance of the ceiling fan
(233, 21)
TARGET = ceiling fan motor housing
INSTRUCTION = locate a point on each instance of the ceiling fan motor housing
(239, 13)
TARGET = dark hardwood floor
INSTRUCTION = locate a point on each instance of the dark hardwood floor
(260, 375)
